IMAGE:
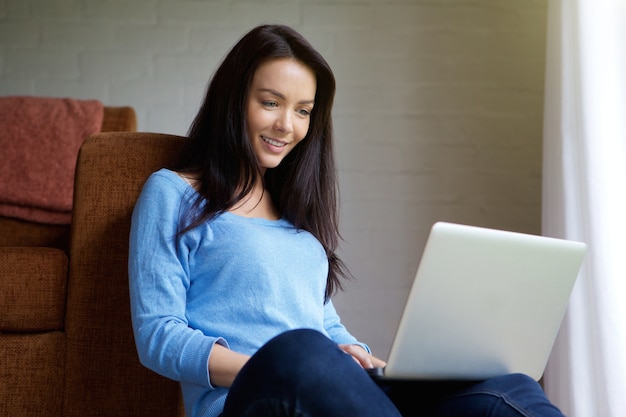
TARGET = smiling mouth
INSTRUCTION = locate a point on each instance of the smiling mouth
(273, 142)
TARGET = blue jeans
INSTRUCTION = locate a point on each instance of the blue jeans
(302, 373)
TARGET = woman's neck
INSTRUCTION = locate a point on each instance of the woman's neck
(258, 203)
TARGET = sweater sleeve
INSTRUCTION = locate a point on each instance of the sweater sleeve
(159, 279)
(336, 330)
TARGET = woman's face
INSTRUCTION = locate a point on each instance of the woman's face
(279, 108)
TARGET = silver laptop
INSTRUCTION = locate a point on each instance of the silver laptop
(483, 303)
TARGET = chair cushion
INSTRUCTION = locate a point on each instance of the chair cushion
(32, 367)
(33, 287)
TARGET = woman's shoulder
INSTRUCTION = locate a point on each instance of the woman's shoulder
(168, 179)
(164, 188)
(164, 195)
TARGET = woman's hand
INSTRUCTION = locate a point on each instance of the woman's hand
(361, 356)
(224, 365)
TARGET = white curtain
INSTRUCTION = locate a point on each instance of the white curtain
(584, 198)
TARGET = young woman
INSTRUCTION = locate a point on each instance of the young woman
(233, 259)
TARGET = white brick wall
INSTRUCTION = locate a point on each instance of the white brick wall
(438, 112)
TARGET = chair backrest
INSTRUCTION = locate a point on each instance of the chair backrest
(119, 119)
(18, 232)
(103, 374)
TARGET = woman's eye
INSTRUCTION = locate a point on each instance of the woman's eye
(270, 104)
(304, 112)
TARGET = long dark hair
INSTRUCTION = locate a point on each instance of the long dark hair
(304, 186)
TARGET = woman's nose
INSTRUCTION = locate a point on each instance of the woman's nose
(283, 122)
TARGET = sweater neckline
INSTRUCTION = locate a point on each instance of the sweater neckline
(259, 220)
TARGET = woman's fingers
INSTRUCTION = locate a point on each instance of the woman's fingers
(361, 356)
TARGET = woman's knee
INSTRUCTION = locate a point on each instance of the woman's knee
(298, 341)
(297, 352)
(303, 337)
(292, 362)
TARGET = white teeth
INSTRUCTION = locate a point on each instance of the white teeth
(273, 142)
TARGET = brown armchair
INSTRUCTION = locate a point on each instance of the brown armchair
(66, 345)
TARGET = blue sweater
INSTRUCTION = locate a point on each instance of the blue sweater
(234, 281)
